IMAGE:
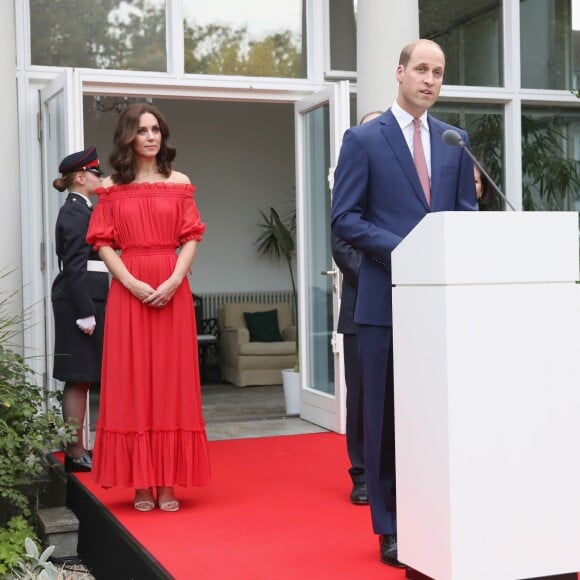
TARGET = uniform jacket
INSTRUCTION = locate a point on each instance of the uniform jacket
(74, 283)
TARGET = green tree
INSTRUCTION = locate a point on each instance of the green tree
(214, 49)
(140, 37)
(98, 34)
(275, 56)
(220, 50)
(131, 35)
(64, 37)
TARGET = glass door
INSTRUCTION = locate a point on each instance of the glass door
(62, 133)
(321, 120)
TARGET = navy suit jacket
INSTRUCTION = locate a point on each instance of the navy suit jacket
(378, 200)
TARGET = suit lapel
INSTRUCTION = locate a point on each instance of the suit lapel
(396, 141)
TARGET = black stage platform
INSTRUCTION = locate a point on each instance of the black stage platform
(104, 546)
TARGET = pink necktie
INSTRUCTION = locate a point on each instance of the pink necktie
(420, 162)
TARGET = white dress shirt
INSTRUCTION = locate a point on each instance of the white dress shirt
(405, 121)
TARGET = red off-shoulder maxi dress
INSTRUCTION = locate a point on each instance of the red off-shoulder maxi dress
(150, 430)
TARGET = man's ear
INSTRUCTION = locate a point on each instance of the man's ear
(400, 72)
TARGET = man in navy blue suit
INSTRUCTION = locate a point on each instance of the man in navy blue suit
(381, 192)
(348, 261)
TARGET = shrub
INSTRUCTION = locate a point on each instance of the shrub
(30, 426)
(12, 543)
(36, 565)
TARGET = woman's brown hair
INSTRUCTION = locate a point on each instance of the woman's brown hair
(65, 182)
(122, 158)
(487, 199)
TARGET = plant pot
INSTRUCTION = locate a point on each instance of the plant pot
(291, 384)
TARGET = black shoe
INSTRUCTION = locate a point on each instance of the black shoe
(75, 464)
(388, 547)
(359, 494)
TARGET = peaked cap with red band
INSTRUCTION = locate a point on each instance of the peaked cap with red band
(80, 161)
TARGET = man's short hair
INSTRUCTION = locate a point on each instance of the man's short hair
(408, 49)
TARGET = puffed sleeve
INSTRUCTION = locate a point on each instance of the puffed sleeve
(192, 228)
(101, 230)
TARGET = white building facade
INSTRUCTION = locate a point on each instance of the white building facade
(257, 95)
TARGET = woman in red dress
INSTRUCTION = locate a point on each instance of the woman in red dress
(150, 431)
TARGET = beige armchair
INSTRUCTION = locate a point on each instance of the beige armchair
(244, 362)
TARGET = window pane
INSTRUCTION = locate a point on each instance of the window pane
(111, 34)
(550, 48)
(470, 35)
(485, 126)
(550, 158)
(342, 14)
(251, 38)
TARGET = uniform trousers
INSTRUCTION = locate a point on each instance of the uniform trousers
(354, 410)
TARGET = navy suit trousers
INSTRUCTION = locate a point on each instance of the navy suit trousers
(376, 361)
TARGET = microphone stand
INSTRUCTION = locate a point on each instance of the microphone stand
(484, 172)
(451, 137)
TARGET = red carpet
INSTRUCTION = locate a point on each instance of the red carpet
(276, 508)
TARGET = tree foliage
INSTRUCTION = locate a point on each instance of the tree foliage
(12, 543)
(98, 34)
(550, 178)
(30, 426)
(66, 35)
(131, 35)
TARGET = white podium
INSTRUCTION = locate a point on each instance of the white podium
(487, 395)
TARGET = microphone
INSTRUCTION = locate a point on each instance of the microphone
(453, 138)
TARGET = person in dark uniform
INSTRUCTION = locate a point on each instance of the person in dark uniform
(348, 261)
(79, 294)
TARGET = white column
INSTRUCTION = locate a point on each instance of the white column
(10, 248)
(383, 28)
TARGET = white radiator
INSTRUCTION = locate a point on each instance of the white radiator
(212, 301)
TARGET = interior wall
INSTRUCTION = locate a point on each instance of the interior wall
(240, 156)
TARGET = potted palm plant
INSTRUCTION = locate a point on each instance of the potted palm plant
(276, 241)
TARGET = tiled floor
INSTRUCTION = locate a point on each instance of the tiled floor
(243, 412)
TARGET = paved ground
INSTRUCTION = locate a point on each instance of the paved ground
(242, 412)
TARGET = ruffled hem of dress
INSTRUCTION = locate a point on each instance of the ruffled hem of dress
(156, 458)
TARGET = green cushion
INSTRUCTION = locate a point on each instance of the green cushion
(263, 326)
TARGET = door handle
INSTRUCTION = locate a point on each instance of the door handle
(328, 273)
